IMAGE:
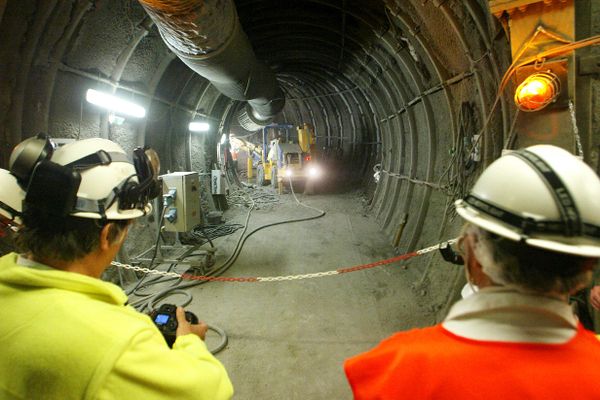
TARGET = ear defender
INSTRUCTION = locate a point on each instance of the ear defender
(27, 155)
(49, 186)
(137, 194)
(53, 188)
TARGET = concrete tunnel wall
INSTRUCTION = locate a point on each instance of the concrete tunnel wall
(398, 83)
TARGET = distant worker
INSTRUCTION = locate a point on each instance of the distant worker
(234, 158)
(64, 333)
(532, 238)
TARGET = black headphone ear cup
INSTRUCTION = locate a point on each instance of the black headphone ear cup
(128, 195)
(53, 188)
(142, 164)
(154, 190)
(27, 155)
(146, 173)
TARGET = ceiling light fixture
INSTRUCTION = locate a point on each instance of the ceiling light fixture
(115, 104)
(197, 126)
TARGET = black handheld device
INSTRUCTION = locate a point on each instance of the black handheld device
(449, 255)
(166, 321)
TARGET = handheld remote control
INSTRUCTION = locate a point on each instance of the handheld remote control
(165, 319)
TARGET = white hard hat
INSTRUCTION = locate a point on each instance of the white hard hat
(11, 197)
(110, 186)
(542, 195)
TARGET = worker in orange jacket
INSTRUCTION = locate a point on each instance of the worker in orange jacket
(532, 237)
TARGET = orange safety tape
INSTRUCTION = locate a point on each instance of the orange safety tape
(378, 263)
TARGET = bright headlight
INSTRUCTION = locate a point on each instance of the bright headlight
(288, 172)
(314, 172)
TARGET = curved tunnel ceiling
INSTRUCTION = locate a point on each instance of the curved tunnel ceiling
(397, 85)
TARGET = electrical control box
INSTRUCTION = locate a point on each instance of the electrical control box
(181, 198)
(217, 182)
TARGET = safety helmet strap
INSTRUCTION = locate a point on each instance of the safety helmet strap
(14, 213)
(527, 225)
(100, 206)
(98, 158)
(129, 194)
(570, 217)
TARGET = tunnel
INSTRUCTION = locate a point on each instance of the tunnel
(403, 97)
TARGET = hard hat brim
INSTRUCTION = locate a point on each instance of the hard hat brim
(117, 214)
(584, 247)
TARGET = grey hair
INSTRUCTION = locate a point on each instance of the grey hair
(507, 262)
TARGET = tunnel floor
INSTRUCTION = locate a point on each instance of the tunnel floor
(288, 340)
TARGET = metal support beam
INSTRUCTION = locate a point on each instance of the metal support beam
(120, 86)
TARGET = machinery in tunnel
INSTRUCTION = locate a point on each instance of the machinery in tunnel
(287, 156)
(297, 161)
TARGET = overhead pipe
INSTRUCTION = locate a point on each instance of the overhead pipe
(207, 36)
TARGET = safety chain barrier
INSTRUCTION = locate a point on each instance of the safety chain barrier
(338, 271)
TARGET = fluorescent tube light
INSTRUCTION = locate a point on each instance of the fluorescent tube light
(114, 104)
(199, 126)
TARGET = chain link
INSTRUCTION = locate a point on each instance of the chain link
(435, 247)
(146, 270)
(276, 278)
(296, 277)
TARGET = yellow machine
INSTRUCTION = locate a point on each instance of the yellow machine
(306, 138)
(286, 156)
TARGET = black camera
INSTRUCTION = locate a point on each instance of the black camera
(165, 319)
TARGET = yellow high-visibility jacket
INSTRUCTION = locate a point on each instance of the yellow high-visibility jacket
(65, 336)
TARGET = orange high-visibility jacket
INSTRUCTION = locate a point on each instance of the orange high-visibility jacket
(433, 363)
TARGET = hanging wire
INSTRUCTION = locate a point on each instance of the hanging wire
(575, 129)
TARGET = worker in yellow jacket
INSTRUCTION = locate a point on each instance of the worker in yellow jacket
(64, 333)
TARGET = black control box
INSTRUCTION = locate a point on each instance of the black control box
(165, 319)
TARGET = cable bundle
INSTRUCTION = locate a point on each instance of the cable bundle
(260, 198)
(201, 234)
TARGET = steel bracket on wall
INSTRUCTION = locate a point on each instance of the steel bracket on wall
(588, 65)
(497, 7)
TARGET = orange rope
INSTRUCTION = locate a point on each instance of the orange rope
(378, 263)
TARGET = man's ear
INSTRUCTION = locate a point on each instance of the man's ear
(105, 237)
(471, 262)
(108, 237)
(475, 269)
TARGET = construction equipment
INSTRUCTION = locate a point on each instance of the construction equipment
(286, 155)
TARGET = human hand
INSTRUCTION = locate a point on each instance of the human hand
(595, 297)
(185, 328)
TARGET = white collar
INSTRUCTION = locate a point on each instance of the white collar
(508, 315)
